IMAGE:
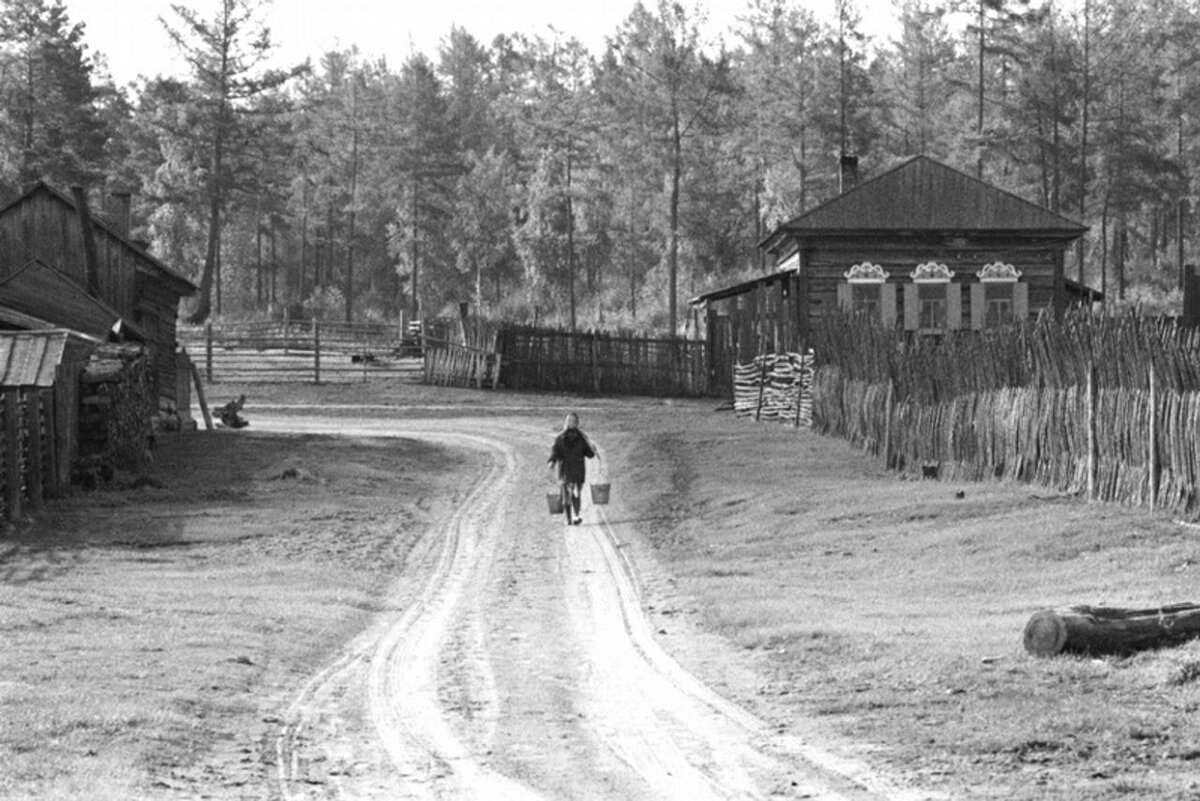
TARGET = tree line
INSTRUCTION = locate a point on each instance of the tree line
(538, 181)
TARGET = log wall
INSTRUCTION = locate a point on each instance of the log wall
(34, 451)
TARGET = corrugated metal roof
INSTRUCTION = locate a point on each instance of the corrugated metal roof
(925, 195)
(29, 359)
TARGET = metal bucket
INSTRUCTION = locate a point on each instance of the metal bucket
(600, 494)
(554, 501)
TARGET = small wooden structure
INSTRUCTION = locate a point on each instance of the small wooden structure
(39, 410)
(923, 246)
(46, 227)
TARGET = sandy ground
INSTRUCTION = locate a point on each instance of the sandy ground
(526, 668)
(364, 596)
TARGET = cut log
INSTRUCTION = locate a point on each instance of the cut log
(1104, 630)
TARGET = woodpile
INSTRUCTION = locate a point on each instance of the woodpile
(776, 386)
(117, 407)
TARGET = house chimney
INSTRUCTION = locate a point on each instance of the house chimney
(849, 173)
(122, 203)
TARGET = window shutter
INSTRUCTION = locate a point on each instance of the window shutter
(912, 308)
(845, 297)
(978, 307)
(1020, 301)
(887, 303)
(953, 306)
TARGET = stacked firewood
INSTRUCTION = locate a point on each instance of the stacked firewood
(776, 386)
(116, 410)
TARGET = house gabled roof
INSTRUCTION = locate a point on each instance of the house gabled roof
(47, 294)
(181, 282)
(925, 195)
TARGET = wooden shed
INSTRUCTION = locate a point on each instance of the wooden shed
(39, 412)
(45, 226)
(926, 247)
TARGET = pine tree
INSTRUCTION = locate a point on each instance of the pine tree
(53, 123)
(227, 52)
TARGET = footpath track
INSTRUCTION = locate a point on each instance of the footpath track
(516, 663)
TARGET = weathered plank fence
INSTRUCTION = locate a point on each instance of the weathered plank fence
(454, 365)
(562, 361)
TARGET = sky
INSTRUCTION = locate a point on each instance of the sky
(127, 32)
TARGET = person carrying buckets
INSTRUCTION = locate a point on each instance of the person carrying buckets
(569, 454)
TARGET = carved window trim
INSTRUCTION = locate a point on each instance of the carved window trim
(931, 272)
(999, 272)
(866, 273)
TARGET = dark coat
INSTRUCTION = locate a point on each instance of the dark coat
(570, 449)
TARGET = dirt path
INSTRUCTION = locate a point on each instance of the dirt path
(525, 668)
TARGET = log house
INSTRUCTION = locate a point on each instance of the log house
(928, 248)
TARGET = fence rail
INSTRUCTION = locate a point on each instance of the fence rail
(312, 352)
(562, 361)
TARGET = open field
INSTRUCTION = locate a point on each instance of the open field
(152, 634)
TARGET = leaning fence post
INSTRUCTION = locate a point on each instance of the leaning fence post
(208, 348)
(762, 387)
(887, 426)
(1152, 455)
(317, 351)
(1091, 431)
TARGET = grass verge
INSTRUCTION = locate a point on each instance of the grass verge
(890, 612)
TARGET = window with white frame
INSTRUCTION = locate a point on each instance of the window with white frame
(932, 302)
(866, 290)
(1000, 298)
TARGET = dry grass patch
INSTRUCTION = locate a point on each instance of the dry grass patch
(151, 636)
(891, 612)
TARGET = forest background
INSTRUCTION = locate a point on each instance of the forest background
(538, 181)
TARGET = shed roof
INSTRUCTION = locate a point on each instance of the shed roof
(740, 288)
(182, 284)
(30, 358)
(925, 195)
(43, 292)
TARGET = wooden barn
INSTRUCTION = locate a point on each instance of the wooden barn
(48, 230)
(924, 246)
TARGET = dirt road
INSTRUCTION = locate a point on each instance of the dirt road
(525, 668)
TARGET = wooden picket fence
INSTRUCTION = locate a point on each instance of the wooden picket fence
(775, 386)
(596, 362)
